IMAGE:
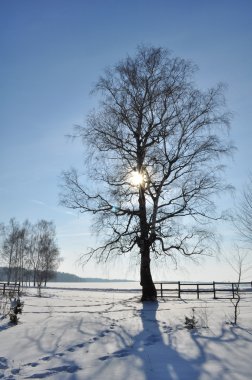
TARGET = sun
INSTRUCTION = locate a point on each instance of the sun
(136, 178)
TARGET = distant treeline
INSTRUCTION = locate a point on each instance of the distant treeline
(54, 277)
(67, 277)
(27, 275)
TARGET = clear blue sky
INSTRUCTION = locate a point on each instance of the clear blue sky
(52, 52)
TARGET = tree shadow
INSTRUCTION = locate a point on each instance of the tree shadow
(158, 354)
(150, 355)
(155, 353)
(167, 363)
(233, 341)
(206, 357)
(65, 365)
(6, 325)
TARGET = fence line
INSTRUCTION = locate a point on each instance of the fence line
(10, 288)
(203, 287)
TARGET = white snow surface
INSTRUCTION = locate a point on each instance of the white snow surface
(99, 334)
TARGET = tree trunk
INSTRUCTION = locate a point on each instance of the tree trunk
(149, 292)
(34, 277)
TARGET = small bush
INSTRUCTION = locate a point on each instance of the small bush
(15, 309)
(191, 323)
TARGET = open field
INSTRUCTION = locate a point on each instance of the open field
(100, 334)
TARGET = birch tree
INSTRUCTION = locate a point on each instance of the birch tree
(153, 152)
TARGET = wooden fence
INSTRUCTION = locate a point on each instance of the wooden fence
(11, 288)
(177, 288)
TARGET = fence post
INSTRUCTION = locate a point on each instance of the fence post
(178, 289)
(214, 290)
(197, 291)
(3, 289)
(161, 289)
(233, 289)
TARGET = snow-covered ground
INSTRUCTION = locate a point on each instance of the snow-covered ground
(102, 335)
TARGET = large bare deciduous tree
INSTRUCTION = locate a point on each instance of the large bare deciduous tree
(153, 160)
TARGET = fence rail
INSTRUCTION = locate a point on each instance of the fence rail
(10, 288)
(165, 288)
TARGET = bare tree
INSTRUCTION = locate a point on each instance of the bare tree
(153, 151)
(29, 250)
(244, 214)
(241, 266)
(9, 237)
(45, 253)
(14, 248)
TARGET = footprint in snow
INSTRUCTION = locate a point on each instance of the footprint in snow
(33, 364)
(3, 363)
(121, 353)
(80, 345)
(71, 349)
(118, 354)
(53, 371)
(15, 371)
(104, 357)
(46, 358)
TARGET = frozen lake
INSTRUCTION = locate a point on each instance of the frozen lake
(121, 286)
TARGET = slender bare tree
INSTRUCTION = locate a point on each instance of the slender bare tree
(244, 213)
(241, 267)
(9, 236)
(45, 253)
(13, 249)
(153, 151)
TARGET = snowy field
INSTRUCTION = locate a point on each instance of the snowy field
(100, 334)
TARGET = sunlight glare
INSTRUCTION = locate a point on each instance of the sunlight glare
(136, 178)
